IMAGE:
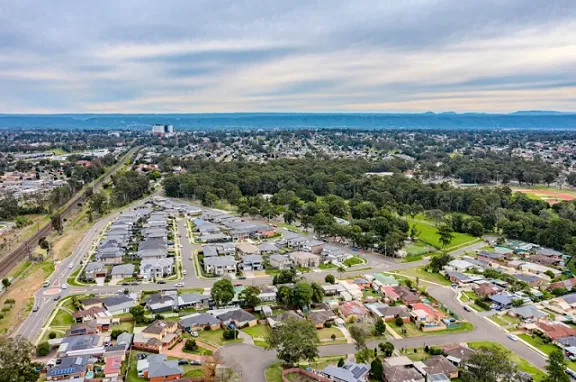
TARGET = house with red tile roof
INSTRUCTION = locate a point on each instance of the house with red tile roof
(354, 308)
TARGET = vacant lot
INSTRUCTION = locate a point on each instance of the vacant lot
(428, 234)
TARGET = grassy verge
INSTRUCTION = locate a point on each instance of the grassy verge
(413, 331)
(422, 275)
(274, 373)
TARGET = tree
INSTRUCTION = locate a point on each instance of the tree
(284, 295)
(51, 335)
(376, 369)
(380, 327)
(517, 302)
(408, 283)
(295, 340)
(445, 233)
(359, 335)
(341, 270)
(43, 349)
(341, 362)
(549, 273)
(289, 217)
(43, 243)
(250, 296)
(330, 279)
(398, 321)
(438, 262)
(16, 356)
(317, 293)
(556, 367)
(116, 332)
(414, 232)
(387, 348)
(190, 345)
(222, 292)
(5, 282)
(489, 364)
(286, 276)
(57, 223)
(302, 294)
(138, 312)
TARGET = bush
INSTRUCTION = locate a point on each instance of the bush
(399, 321)
(6, 309)
(327, 325)
(10, 301)
(1, 316)
(330, 279)
(483, 304)
(190, 345)
(333, 336)
(51, 335)
(116, 332)
(435, 351)
(43, 349)
(230, 334)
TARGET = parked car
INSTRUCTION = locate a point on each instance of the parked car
(196, 362)
(141, 355)
(125, 283)
(194, 334)
(184, 272)
(134, 283)
(571, 373)
(160, 282)
(467, 308)
(183, 362)
(178, 285)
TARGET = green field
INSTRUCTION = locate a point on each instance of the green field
(62, 318)
(326, 334)
(422, 275)
(215, 337)
(259, 333)
(428, 234)
(522, 364)
(274, 373)
(413, 331)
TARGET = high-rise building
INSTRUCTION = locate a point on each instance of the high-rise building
(159, 129)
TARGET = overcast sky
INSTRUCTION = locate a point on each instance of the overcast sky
(290, 55)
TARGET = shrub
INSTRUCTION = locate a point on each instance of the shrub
(230, 334)
(399, 321)
(43, 349)
(1, 316)
(6, 309)
(436, 351)
(190, 345)
(51, 335)
(333, 336)
(327, 325)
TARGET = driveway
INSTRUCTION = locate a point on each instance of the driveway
(250, 362)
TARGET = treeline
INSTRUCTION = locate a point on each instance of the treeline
(126, 186)
(315, 191)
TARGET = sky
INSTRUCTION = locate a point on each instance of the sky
(131, 56)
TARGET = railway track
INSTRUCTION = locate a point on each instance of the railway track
(25, 248)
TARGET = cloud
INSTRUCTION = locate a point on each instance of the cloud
(257, 55)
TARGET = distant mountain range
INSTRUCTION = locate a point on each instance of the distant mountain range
(533, 119)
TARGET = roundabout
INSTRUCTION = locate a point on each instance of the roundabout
(52, 291)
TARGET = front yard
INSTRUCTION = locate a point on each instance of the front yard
(325, 335)
(422, 275)
(413, 331)
(259, 333)
(215, 338)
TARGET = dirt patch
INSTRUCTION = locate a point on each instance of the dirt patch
(22, 291)
(551, 197)
(64, 244)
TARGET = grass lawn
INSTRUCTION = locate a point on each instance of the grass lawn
(133, 370)
(191, 290)
(62, 318)
(412, 258)
(413, 331)
(215, 337)
(522, 364)
(193, 371)
(126, 326)
(416, 354)
(274, 373)
(429, 235)
(326, 334)
(423, 275)
(353, 261)
(257, 331)
(499, 321)
(538, 343)
(199, 351)
(327, 266)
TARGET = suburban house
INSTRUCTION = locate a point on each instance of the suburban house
(109, 255)
(554, 330)
(199, 321)
(252, 263)
(314, 246)
(531, 280)
(568, 284)
(88, 303)
(406, 295)
(349, 372)
(118, 304)
(156, 268)
(123, 271)
(157, 369)
(220, 265)
(390, 293)
(320, 317)
(487, 290)
(244, 249)
(239, 317)
(159, 302)
(209, 251)
(112, 367)
(226, 249)
(356, 309)
(389, 313)
(304, 259)
(490, 257)
(280, 261)
(89, 314)
(193, 300)
(503, 300)
(70, 368)
(527, 312)
(332, 254)
(157, 335)
(94, 270)
(438, 364)
(267, 248)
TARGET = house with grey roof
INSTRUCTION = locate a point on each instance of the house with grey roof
(193, 300)
(118, 304)
(109, 255)
(94, 270)
(527, 312)
(120, 272)
(239, 317)
(160, 369)
(280, 261)
(220, 265)
(226, 249)
(71, 344)
(267, 248)
(199, 321)
(252, 263)
(69, 368)
(349, 372)
(125, 339)
(214, 238)
(209, 251)
(156, 268)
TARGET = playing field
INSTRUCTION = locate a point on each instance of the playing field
(428, 234)
(548, 194)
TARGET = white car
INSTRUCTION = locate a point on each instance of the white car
(70, 266)
(179, 285)
(184, 272)
(64, 286)
(194, 334)
(513, 337)
(180, 245)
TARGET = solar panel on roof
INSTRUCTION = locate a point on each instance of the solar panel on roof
(67, 370)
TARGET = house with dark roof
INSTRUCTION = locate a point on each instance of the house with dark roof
(159, 302)
(531, 280)
(122, 271)
(118, 304)
(321, 317)
(406, 295)
(199, 321)
(157, 369)
(239, 317)
(267, 248)
(438, 364)
(193, 300)
(252, 263)
(209, 251)
(69, 368)
(95, 270)
(457, 353)
(71, 344)
(503, 300)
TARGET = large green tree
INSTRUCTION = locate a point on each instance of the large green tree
(250, 296)
(222, 292)
(489, 364)
(295, 341)
(445, 233)
(16, 360)
(358, 334)
(556, 368)
(302, 294)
